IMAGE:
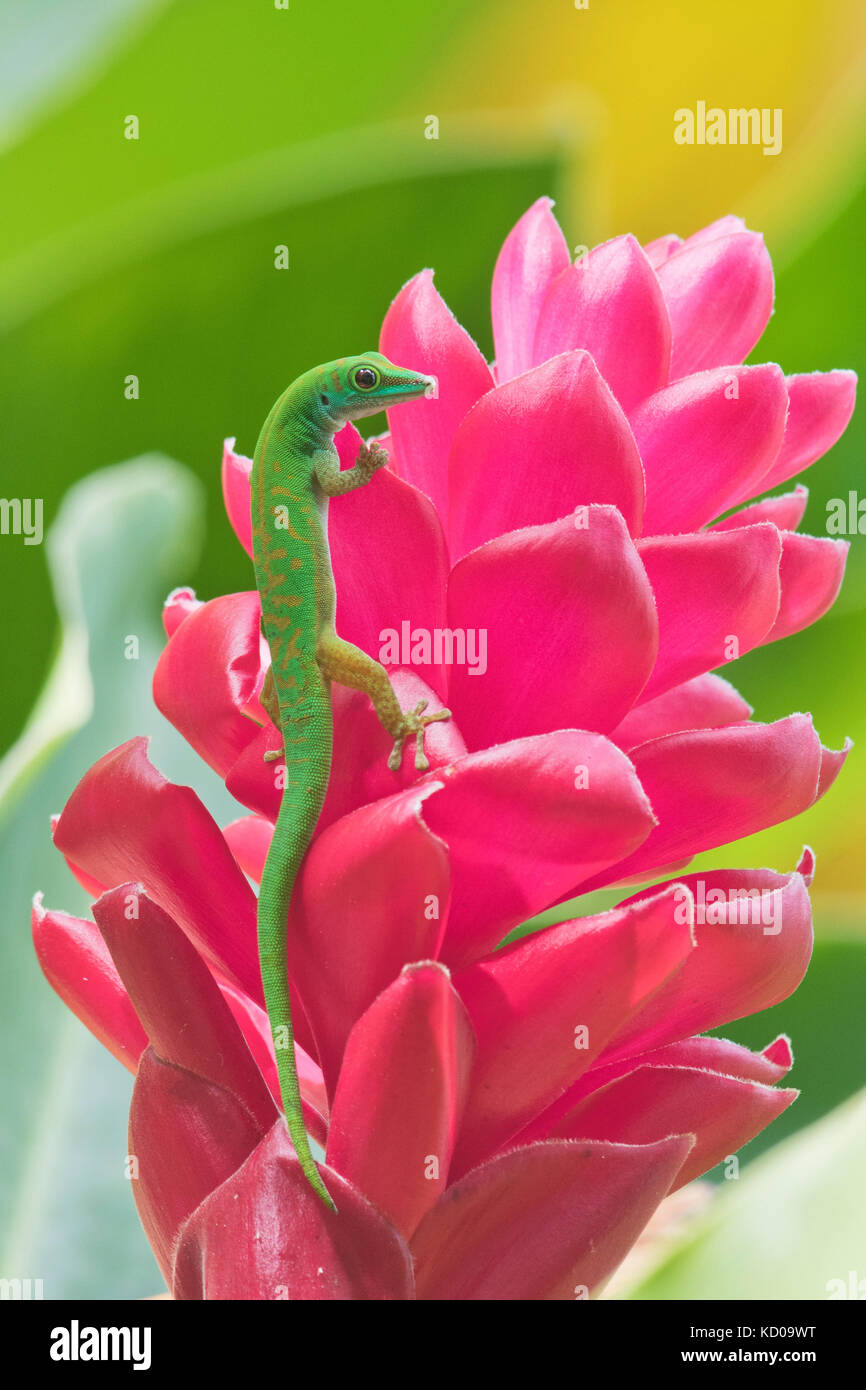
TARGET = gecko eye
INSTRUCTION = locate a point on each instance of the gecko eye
(365, 378)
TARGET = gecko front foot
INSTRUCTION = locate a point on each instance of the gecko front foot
(369, 459)
(415, 722)
(273, 755)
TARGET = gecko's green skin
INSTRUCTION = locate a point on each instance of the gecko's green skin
(296, 470)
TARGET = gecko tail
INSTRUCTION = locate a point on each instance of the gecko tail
(294, 1117)
(274, 897)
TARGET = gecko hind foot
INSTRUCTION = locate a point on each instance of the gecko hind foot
(415, 724)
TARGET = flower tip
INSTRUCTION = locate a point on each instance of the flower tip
(421, 278)
(780, 1052)
(414, 967)
(806, 866)
(680, 1140)
(183, 594)
(119, 894)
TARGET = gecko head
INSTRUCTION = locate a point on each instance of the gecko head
(356, 386)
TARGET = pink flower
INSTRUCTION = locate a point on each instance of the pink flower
(499, 1122)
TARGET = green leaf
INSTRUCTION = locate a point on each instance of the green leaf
(121, 540)
(47, 47)
(790, 1228)
(215, 86)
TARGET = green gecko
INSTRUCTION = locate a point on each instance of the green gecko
(296, 469)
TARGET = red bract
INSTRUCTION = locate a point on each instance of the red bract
(498, 1122)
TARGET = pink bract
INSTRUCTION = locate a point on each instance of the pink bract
(499, 1121)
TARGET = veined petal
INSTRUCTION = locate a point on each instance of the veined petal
(785, 511)
(658, 250)
(253, 1023)
(707, 440)
(832, 762)
(401, 1094)
(722, 226)
(544, 1008)
(264, 1234)
(702, 1054)
(810, 574)
(372, 896)
(533, 254)
(178, 1001)
(712, 1054)
(533, 450)
(712, 786)
(525, 823)
(77, 964)
(546, 1222)
(611, 304)
(704, 702)
(754, 940)
(719, 294)
(723, 1112)
(254, 782)
(200, 1103)
(570, 625)
(91, 885)
(710, 589)
(421, 334)
(821, 404)
(390, 569)
(718, 1054)
(125, 821)
(249, 839)
(208, 673)
(187, 1136)
(236, 472)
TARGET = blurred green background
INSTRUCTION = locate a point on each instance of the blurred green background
(261, 126)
